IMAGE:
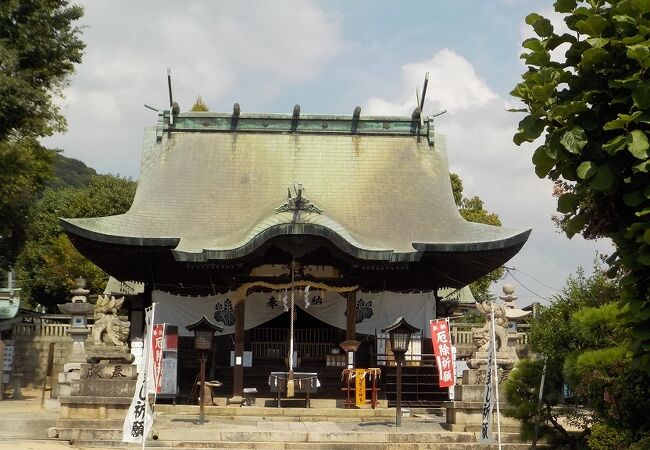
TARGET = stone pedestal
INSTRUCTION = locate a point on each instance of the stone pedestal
(71, 371)
(98, 399)
(97, 384)
(466, 413)
(78, 351)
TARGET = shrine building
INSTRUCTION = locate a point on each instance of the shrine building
(353, 217)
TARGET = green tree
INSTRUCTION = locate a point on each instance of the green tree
(69, 172)
(585, 345)
(199, 105)
(48, 263)
(592, 108)
(24, 168)
(39, 47)
(471, 209)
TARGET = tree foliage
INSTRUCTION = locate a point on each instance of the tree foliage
(39, 47)
(585, 344)
(24, 168)
(69, 172)
(471, 209)
(49, 263)
(593, 110)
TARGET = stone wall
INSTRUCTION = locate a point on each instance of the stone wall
(31, 344)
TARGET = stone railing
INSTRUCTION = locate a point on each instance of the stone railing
(461, 336)
(44, 329)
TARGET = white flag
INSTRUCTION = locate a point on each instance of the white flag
(139, 418)
(148, 342)
(488, 396)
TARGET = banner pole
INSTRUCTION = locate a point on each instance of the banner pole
(496, 373)
(147, 352)
(147, 367)
(155, 389)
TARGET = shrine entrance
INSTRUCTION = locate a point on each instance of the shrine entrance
(316, 342)
(316, 350)
(299, 208)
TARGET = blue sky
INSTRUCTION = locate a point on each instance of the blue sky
(328, 56)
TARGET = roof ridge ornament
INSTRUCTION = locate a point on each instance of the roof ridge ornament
(297, 201)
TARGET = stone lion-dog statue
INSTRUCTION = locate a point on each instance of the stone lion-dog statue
(109, 329)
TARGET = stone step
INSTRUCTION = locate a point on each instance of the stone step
(90, 423)
(208, 437)
(34, 428)
(312, 445)
(88, 400)
(265, 411)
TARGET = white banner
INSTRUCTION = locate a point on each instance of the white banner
(139, 418)
(374, 310)
(488, 396)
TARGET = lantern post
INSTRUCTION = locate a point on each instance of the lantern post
(203, 333)
(400, 337)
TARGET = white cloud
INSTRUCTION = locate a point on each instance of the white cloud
(460, 92)
(479, 132)
(214, 49)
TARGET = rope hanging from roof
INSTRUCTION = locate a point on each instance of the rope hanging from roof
(242, 291)
(290, 390)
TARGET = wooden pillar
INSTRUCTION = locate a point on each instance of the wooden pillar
(351, 324)
(238, 370)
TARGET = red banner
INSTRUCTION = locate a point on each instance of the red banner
(157, 340)
(442, 348)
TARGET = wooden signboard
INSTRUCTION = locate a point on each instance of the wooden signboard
(360, 386)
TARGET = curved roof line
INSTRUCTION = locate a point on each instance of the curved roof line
(342, 240)
(75, 227)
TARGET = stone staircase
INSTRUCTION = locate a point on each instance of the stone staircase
(285, 429)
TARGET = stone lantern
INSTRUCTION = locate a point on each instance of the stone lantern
(78, 309)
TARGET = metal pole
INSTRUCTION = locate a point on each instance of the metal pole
(202, 377)
(398, 409)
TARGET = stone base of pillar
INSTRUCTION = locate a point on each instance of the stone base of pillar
(71, 371)
(466, 413)
(236, 400)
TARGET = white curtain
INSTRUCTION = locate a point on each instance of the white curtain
(374, 310)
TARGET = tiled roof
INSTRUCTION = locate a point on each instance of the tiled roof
(212, 193)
